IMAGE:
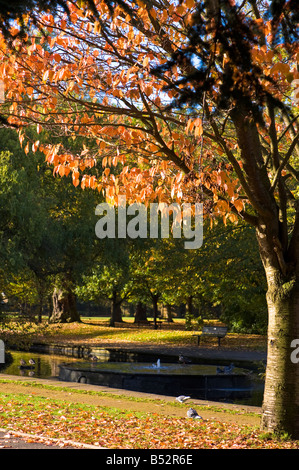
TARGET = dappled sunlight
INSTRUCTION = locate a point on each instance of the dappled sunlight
(99, 333)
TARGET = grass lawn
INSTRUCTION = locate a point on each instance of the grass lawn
(96, 331)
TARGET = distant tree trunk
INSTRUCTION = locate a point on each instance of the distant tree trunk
(182, 310)
(64, 304)
(190, 306)
(40, 310)
(189, 311)
(116, 313)
(155, 298)
(41, 296)
(140, 314)
(169, 313)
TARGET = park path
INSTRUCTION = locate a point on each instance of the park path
(19, 440)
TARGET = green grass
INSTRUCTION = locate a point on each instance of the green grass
(95, 331)
(131, 398)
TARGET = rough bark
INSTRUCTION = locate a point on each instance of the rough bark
(64, 306)
(281, 397)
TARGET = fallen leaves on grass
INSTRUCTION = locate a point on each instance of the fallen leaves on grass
(118, 429)
(91, 332)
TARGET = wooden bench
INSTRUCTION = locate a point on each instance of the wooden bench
(218, 331)
(149, 323)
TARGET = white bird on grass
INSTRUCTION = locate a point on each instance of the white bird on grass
(192, 413)
(182, 398)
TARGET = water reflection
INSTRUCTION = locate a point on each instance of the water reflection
(46, 366)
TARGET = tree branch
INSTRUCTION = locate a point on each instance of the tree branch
(219, 139)
(284, 162)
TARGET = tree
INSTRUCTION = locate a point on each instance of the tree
(25, 230)
(231, 278)
(254, 103)
(229, 144)
(225, 275)
(146, 276)
(108, 278)
(64, 302)
(25, 12)
(47, 228)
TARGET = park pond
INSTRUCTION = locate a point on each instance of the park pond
(138, 372)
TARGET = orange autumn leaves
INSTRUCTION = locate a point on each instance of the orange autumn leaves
(91, 79)
(115, 428)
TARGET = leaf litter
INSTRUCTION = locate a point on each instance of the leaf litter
(121, 429)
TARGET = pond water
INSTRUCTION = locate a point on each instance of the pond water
(48, 366)
(152, 369)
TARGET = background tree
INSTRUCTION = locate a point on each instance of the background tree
(25, 12)
(47, 228)
(108, 278)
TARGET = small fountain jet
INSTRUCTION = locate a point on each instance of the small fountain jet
(158, 365)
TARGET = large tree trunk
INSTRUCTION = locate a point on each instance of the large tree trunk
(64, 305)
(281, 396)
